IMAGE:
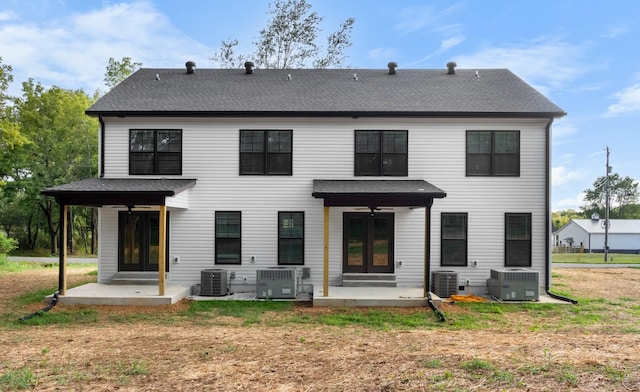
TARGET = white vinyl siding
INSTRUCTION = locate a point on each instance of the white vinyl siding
(324, 149)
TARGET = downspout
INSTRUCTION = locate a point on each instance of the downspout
(101, 146)
(427, 248)
(62, 266)
(547, 256)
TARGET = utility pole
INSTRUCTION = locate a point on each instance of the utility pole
(606, 211)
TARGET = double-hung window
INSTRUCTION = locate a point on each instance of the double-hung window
(517, 240)
(381, 153)
(155, 151)
(291, 238)
(227, 237)
(493, 153)
(453, 239)
(266, 152)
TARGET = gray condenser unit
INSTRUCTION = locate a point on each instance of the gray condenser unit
(213, 282)
(276, 283)
(444, 283)
(514, 284)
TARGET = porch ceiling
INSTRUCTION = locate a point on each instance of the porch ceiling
(376, 193)
(97, 192)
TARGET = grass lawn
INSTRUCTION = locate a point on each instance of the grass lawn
(278, 346)
(594, 258)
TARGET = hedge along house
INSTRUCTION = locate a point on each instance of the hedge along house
(384, 173)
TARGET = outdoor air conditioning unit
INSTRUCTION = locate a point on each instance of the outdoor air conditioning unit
(444, 283)
(514, 284)
(213, 282)
(276, 283)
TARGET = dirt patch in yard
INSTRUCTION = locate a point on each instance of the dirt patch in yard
(601, 283)
(143, 355)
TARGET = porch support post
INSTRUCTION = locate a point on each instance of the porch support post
(62, 274)
(162, 257)
(325, 282)
(427, 249)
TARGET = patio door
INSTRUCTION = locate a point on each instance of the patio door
(368, 242)
(139, 240)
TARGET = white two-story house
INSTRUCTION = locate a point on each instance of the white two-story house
(381, 172)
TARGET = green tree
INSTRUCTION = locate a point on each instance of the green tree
(7, 244)
(561, 218)
(9, 129)
(117, 71)
(290, 40)
(623, 192)
(62, 148)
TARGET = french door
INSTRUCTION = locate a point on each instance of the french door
(368, 242)
(139, 241)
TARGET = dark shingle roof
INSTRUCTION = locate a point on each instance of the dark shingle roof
(324, 92)
(376, 193)
(377, 186)
(118, 191)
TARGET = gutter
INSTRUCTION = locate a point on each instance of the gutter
(433, 307)
(54, 301)
(318, 114)
(547, 264)
(61, 271)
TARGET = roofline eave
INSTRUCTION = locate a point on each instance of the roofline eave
(323, 114)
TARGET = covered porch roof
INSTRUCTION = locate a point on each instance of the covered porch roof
(97, 192)
(376, 193)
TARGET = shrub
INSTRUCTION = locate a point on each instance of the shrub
(7, 244)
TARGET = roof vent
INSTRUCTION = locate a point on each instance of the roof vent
(392, 67)
(355, 76)
(248, 67)
(451, 68)
(191, 67)
(595, 216)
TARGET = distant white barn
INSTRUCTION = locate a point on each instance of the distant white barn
(624, 235)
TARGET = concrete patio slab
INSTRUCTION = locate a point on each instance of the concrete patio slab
(392, 296)
(141, 295)
(146, 295)
(369, 296)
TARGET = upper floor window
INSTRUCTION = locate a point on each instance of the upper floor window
(517, 228)
(266, 152)
(381, 153)
(291, 238)
(493, 153)
(454, 239)
(155, 151)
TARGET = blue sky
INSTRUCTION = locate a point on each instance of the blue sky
(582, 54)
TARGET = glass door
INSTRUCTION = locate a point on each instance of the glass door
(368, 242)
(139, 241)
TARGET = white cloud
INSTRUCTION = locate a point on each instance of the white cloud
(562, 132)
(431, 20)
(72, 52)
(615, 31)
(560, 176)
(546, 63)
(568, 203)
(7, 15)
(382, 54)
(450, 42)
(412, 19)
(628, 101)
